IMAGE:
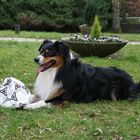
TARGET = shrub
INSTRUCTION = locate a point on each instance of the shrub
(96, 28)
(42, 14)
(52, 14)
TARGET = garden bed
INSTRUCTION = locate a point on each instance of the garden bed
(100, 49)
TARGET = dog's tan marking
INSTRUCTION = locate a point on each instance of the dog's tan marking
(58, 59)
(47, 60)
(56, 94)
(47, 51)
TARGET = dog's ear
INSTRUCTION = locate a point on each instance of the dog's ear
(62, 48)
(44, 42)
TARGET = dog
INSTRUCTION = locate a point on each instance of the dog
(62, 77)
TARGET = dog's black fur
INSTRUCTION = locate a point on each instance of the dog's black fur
(86, 83)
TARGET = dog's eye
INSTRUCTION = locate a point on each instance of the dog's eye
(47, 53)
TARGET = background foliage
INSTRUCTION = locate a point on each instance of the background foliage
(102, 8)
(59, 15)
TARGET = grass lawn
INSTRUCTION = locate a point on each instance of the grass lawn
(33, 34)
(129, 37)
(56, 35)
(95, 121)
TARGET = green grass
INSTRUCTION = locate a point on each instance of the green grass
(99, 120)
(129, 37)
(33, 34)
(56, 35)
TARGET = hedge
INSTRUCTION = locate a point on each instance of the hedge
(49, 15)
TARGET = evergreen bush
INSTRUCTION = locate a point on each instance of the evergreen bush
(96, 28)
(50, 15)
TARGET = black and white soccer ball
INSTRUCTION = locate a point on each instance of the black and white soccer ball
(13, 93)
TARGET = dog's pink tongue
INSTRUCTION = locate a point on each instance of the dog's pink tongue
(40, 69)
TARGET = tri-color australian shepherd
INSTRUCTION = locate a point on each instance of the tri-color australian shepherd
(62, 77)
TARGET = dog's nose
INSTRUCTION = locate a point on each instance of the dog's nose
(36, 59)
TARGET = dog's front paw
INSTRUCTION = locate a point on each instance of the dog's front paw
(29, 106)
(38, 104)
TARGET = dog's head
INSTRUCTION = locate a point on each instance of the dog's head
(52, 54)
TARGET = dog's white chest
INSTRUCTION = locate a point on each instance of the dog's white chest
(45, 84)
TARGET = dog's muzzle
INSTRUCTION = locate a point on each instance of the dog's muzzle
(36, 60)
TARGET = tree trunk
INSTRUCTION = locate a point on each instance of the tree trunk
(116, 16)
(123, 10)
